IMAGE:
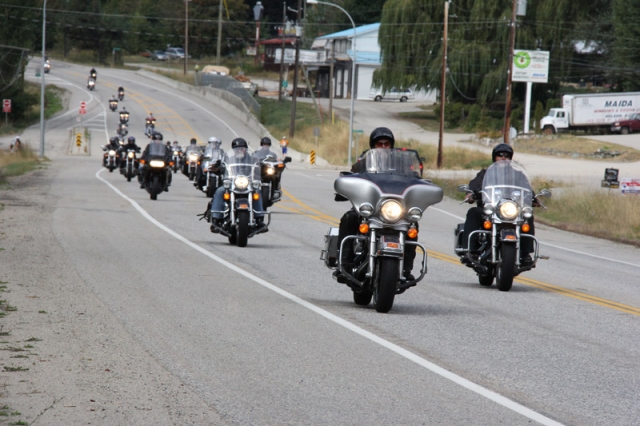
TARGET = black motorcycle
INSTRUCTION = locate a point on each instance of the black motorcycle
(390, 198)
(129, 164)
(156, 173)
(111, 159)
(113, 104)
(124, 117)
(270, 174)
(122, 130)
(507, 204)
(121, 95)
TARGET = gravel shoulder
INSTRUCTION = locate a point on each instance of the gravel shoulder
(64, 358)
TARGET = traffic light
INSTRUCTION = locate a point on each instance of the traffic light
(78, 139)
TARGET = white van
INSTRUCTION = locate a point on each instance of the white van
(393, 94)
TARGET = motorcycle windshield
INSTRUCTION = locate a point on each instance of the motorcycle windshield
(392, 161)
(507, 180)
(239, 163)
(157, 149)
(212, 154)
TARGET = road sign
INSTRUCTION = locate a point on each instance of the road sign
(83, 107)
(312, 157)
(357, 131)
(6, 105)
(285, 83)
(78, 139)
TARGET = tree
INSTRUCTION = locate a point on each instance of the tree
(626, 54)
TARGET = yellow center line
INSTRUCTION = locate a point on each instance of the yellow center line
(322, 217)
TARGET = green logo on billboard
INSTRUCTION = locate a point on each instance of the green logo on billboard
(522, 60)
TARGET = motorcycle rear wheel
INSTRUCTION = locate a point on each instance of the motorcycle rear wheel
(243, 228)
(387, 275)
(505, 271)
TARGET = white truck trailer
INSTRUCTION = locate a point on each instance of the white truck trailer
(590, 112)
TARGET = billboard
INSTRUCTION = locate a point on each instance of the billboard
(530, 66)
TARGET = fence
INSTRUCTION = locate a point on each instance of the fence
(231, 85)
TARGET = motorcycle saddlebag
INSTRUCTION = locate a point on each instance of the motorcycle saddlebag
(330, 252)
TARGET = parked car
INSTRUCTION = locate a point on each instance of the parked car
(156, 55)
(175, 52)
(393, 94)
(630, 125)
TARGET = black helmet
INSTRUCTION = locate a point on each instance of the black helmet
(265, 141)
(193, 141)
(502, 148)
(114, 139)
(381, 133)
(156, 136)
(239, 143)
(131, 139)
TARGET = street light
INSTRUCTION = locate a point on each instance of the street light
(44, 31)
(353, 71)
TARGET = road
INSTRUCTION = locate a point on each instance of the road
(263, 335)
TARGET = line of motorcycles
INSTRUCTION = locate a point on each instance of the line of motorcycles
(391, 198)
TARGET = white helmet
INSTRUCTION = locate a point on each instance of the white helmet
(215, 141)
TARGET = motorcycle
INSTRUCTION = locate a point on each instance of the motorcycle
(91, 83)
(129, 165)
(111, 158)
(122, 131)
(191, 163)
(176, 157)
(47, 66)
(121, 95)
(242, 188)
(124, 117)
(389, 198)
(94, 75)
(205, 180)
(271, 173)
(113, 104)
(507, 205)
(156, 173)
(150, 126)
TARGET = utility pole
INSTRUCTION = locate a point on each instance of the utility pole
(333, 59)
(507, 107)
(219, 33)
(284, 25)
(186, 34)
(443, 82)
(292, 125)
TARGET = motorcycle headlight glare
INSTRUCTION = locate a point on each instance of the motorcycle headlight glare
(488, 209)
(508, 210)
(256, 185)
(527, 212)
(415, 214)
(270, 171)
(193, 157)
(391, 210)
(131, 155)
(112, 152)
(366, 209)
(175, 153)
(156, 163)
(241, 182)
(226, 183)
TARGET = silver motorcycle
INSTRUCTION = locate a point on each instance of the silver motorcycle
(507, 205)
(390, 198)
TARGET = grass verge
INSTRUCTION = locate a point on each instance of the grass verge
(17, 163)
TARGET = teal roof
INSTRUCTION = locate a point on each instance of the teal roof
(349, 33)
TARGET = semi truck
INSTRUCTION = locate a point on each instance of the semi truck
(590, 112)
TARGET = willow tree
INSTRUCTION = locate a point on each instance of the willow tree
(411, 35)
(626, 54)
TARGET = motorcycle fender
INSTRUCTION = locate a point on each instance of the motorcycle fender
(390, 246)
(508, 236)
(330, 252)
(242, 204)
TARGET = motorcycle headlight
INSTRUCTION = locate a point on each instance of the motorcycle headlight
(366, 209)
(112, 152)
(241, 182)
(270, 170)
(156, 163)
(256, 185)
(131, 155)
(415, 214)
(193, 157)
(527, 212)
(175, 153)
(226, 183)
(391, 210)
(508, 210)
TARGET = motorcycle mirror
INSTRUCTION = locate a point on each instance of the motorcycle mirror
(463, 188)
(544, 193)
(286, 160)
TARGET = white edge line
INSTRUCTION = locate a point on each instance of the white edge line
(493, 396)
(555, 246)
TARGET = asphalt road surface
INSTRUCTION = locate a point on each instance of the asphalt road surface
(263, 335)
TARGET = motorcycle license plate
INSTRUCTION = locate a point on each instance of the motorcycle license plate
(388, 243)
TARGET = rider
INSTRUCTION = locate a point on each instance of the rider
(151, 119)
(475, 217)
(380, 137)
(124, 115)
(237, 155)
(264, 151)
(131, 144)
(114, 144)
(93, 73)
(121, 90)
(156, 138)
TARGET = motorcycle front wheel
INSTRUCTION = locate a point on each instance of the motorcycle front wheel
(192, 174)
(388, 273)
(129, 172)
(505, 271)
(243, 228)
(155, 187)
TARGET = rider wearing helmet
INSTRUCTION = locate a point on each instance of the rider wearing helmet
(131, 144)
(265, 151)
(238, 154)
(156, 138)
(475, 217)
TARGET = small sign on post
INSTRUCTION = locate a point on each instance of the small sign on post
(78, 139)
(6, 105)
(83, 107)
(610, 179)
(630, 186)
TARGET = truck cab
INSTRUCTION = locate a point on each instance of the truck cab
(556, 121)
